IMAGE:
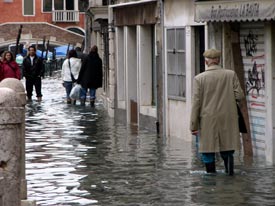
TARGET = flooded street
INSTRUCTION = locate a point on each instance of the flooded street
(79, 156)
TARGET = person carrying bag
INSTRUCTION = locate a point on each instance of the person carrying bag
(70, 70)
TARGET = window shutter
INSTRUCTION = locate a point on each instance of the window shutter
(28, 7)
(176, 68)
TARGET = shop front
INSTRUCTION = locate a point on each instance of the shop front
(244, 31)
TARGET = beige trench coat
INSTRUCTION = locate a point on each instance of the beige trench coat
(214, 112)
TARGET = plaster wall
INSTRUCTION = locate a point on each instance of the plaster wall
(178, 13)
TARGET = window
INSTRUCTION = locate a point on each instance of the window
(47, 5)
(58, 4)
(28, 7)
(176, 69)
(69, 5)
(108, 2)
(83, 5)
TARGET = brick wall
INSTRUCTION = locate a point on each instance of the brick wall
(12, 12)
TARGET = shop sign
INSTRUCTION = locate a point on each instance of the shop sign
(234, 10)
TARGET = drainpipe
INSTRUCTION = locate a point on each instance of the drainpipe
(161, 102)
(88, 25)
(163, 69)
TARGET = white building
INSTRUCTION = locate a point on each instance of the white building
(155, 49)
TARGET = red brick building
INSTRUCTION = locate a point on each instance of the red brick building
(59, 21)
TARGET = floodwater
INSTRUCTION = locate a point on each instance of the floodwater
(79, 156)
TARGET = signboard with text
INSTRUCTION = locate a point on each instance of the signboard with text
(235, 10)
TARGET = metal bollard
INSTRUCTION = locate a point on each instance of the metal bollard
(18, 87)
(12, 116)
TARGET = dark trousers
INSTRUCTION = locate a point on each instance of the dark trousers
(36, 82)
(227, 156)
(210, 157)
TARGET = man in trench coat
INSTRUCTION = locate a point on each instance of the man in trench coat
(214, 112)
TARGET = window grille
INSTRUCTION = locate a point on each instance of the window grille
(176, 62)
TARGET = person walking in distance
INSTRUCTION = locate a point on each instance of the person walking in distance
(214, 112)
(90, 76)
(8, 67)
(33, 71)
(70, 70)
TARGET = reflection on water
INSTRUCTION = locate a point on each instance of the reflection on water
(79, 156)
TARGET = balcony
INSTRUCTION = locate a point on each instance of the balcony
(65, 16)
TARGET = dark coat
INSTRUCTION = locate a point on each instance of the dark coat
(35, 70)
(90, 75)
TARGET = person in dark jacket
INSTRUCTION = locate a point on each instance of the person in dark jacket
(33, 70)
(90, 76)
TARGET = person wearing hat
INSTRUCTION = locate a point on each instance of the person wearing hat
(214, 113)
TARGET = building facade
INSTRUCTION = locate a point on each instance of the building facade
(152, 60)
(244, 31)
(155, 49)
(59, 21)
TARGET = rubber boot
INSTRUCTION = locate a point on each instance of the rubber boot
(230, 165)
(29, 99)
(82, 102)
(225, 160)
(210, 167)
(39, 99)
(73, 102)
(92, 103)
(69, 101)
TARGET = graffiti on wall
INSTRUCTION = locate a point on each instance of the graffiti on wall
(256, 80)
(250, 43)
(255, 74)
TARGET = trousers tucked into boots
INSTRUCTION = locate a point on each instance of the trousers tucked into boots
(229, 165)
(210, 167)
(92, 102)
(82, 102)
(228, 160)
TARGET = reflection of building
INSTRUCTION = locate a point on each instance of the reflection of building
(60, 21)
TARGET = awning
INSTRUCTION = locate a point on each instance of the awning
(248, 10)
(135, 13)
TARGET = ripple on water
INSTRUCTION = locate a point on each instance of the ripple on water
(78, 156)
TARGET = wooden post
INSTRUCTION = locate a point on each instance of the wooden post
(18, 40)
(239, 69)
